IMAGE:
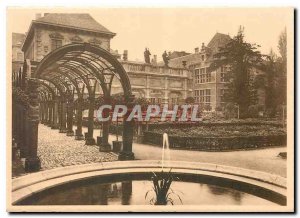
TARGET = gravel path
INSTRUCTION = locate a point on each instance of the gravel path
(57, 150)
(265, 159)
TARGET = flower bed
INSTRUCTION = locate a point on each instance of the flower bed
(218, 137)
(220, 130)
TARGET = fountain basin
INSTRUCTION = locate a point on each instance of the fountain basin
(263, 185)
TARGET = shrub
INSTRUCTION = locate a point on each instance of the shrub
(230, 111)
(189, 100)
(254, 110)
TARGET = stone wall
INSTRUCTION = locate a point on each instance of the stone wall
(41, 42)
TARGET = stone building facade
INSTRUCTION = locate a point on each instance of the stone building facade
(156, 83)
(17, 54)
(209, 86)
(187, 74)
(52, 30)
(159, 84)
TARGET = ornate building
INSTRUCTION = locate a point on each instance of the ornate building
(185, 76)
(209, 87)
(156, 83)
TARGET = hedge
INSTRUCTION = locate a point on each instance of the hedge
(216, 143)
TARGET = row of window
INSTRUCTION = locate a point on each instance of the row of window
(159, 100)
(203, 76)
(203, 96)
(56, 43)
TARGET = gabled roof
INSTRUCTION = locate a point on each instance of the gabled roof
(78, 21)
(81, 22)
(219, 40)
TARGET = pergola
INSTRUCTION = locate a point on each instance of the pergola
(69, 73)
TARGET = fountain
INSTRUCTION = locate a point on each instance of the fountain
(89, 184)
(166, 156)
(162, 181)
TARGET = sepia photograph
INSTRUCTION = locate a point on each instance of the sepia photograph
(150, 109)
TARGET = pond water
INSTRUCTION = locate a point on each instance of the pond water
(99, 191)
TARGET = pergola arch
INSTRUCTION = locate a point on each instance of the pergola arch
(49, 88)
(89, 56)
(83, 63)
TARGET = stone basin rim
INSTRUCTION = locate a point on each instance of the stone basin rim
(27, 185)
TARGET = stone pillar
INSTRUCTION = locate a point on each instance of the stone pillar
(55, 124)
(128, 130)
(32, 161)
(70, 109)
(46, 112)
(78, 132)
(50, 117)
(185, 95)
(41, 112)
(147, 87)
(139, 132)
(105, 146)
(165, 99)
(62, 128)
(90, 139)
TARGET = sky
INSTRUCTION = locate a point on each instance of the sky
(173, 29)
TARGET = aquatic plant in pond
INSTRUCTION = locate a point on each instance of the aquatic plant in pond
(163, 180)
(162, 189)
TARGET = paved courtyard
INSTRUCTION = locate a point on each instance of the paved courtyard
(57, 150)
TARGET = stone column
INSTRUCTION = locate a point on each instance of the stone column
(46, 112)
(43, 112)
(140, 136)
(50, 117)
(32, 161)
(105, 146)
(78, 132)
(55, 124)
(70, 109)
(90, 139)
(165, 99)
(62, 128)
(128, 129)
(147, 87)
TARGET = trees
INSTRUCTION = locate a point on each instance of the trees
(271, 83)
(242, 57)
(275, 68)
(282, 61)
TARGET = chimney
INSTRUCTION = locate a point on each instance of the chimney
(125, 55)
(37, 16)
(197, 50)
(202, 47)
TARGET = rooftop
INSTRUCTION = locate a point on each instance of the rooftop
(76, 21)
(79, 21)
(218, 40)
